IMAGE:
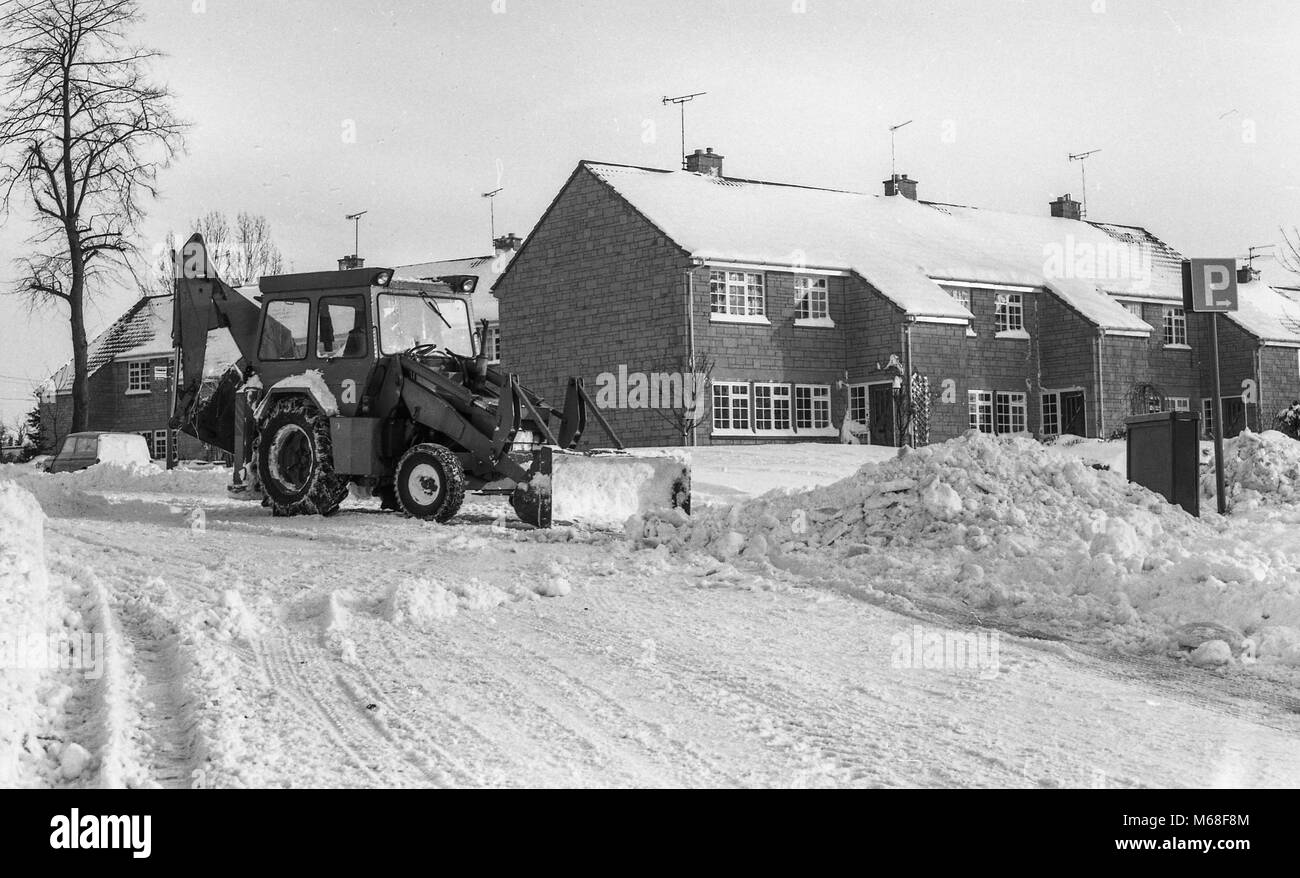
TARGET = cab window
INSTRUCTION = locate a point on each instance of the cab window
(284, 331)
(342, 327)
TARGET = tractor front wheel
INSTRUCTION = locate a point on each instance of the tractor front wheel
(430, 482)
(295, 461)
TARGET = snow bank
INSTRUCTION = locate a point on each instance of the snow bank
(1009, 529)
(1258, 469)
(24, 593)
(80, 493)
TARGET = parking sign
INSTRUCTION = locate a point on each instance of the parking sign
(1210, 284)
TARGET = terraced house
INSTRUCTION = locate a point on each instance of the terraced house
(812, 314)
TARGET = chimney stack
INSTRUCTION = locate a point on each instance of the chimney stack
(507, 242)
(900, 184)
(705, 162)
(1066, 207)
(353, 261)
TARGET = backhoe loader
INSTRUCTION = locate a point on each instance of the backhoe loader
(359, 377)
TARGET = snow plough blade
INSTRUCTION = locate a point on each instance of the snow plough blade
(602, 488)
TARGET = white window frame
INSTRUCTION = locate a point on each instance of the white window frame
(736, 391)
(1016, 405)
(737, 296)
(818, 407)
(778, 396)
(1173, 322)
(979, 405)
(1009, 315)
(494, 343)
(139, 377)
(158, 443)
(812, 301)
(1049, 423)
(1207, 417)
(1177, 404)
(859, 409)
(963, 296)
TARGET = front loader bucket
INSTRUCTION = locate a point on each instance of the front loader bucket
(531, 500)
(605, 488)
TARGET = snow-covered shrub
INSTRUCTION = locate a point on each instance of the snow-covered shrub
(1288, 420)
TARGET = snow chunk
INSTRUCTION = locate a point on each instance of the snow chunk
(312, 380)
(1211, 654)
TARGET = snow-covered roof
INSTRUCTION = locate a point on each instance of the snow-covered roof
(1268, 313)
(903, 247)
(144, 331)
(486, 268)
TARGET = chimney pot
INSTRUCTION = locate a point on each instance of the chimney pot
(353, 261)
(705, 162)
(507, 242)
(901, 184)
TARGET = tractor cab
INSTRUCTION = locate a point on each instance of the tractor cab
(341, 323)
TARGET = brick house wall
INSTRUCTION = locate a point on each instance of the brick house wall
(113, 409)
(596, 286)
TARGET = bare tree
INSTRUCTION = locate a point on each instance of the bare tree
(1288, 252)
(241, 252)
(684, 378)
(83, 135)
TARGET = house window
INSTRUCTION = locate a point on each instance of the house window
(730, 406)
(494, 343)
(1175, 321)
(812, 301)
(1207, 416)
(1134, 308)
(1010, 312)
(1011, 411)
(1051, 403)
(737, 293)
(1177, 404)
(157, 440)
(812, 406)
(981, 410)
(961, 296)
(858, 404)
(138, 376)
(771, 407)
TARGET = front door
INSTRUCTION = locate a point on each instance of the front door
(880, 406)
(1073, 420)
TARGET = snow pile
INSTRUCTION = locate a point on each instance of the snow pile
(417, 602)
(24, 593)
(1258, 468)
(1006, 528)
(604, 489)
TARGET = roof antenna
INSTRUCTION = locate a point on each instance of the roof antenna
(355, 219)
(1081, 158)
(492, 212)
(681, 101)
(892, 129)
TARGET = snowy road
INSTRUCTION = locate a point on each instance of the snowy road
(371, 650)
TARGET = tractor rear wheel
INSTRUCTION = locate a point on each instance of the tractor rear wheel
(430, 482)
(295, 460)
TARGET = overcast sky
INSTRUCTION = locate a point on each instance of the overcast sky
(1192, 104)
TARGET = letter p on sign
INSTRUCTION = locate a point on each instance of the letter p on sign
(1210, 284)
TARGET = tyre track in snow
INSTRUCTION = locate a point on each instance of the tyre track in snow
(145, 740)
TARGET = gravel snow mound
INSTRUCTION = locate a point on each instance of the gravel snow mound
(1258, 468)
(1007, 529)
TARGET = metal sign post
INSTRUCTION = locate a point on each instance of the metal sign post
(1210, 286)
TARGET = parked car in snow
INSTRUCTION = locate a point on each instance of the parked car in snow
(81, 450)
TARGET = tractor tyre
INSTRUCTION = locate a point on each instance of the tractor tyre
(430, 482)
(295, 460)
